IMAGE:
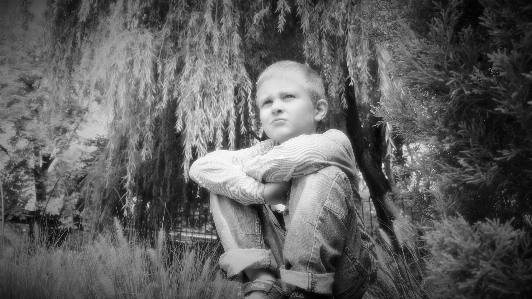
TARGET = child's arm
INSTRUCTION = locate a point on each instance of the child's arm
(221, 172)
(302, 155)
(239, 174)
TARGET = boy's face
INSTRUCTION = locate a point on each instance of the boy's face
(286, 107)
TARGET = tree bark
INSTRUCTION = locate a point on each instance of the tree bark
(39, 172)
(387, 159)
(39, 176)
(366, 139)
(3, 216)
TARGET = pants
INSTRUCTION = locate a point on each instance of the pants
(324, 248)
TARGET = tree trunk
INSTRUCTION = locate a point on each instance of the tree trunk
(39, 172)
(3, 216)
(39, 176)
(366, 139)
(388, 158)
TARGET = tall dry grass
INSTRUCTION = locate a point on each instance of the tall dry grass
(112, 267)
(401, 275)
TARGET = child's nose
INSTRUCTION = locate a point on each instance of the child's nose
(277, 107)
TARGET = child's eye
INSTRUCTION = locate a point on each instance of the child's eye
(267, 102)
(289, 96)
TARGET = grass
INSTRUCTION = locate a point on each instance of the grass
(401, 276)
(396, 278)
(113, 267)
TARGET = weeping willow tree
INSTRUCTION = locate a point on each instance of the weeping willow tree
(177, 80)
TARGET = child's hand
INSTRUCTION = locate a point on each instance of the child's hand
(275, 193)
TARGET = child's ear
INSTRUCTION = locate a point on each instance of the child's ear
(321, 109)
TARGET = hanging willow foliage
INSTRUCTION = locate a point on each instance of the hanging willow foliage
(195, 59)
(351, 33)
(202, 57)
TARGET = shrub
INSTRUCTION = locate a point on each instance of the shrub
(463, 91)
(489, 259)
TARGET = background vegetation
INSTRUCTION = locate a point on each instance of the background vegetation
(434, 96)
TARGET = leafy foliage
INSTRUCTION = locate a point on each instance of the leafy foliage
(42, 151)
(489, 259)
(173, 84)
(17, 185)
(463, 90)
(176, 77)
(23, 136)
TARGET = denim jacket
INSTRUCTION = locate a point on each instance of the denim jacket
(324, 248)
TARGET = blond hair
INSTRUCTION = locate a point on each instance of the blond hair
(313, 82)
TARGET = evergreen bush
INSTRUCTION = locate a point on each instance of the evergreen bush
(489, 259)
(463, 89)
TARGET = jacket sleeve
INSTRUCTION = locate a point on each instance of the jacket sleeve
(221, 172)
(302, 155)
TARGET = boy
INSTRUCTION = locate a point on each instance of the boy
(323, 251)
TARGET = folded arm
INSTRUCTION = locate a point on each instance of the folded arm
(221, 172)
(242, 174)
(302, 155)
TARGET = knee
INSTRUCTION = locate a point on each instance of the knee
(322, 178)
(328, 188)
(332, 172)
